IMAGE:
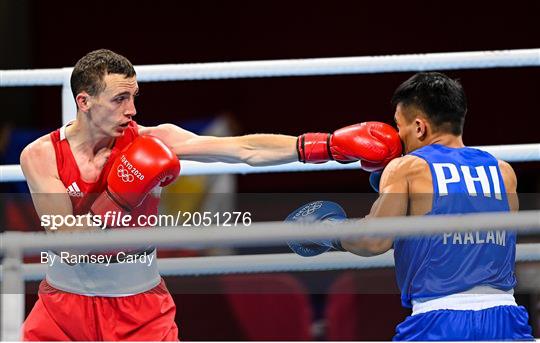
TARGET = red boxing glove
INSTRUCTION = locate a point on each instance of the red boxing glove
(146, 163)
(373, 143)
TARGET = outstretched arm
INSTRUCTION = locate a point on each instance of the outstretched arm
(373, 143)
(256, 149)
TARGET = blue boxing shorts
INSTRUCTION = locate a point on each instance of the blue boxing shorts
(494, 323)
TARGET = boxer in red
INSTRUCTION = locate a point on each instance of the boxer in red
(103, 162)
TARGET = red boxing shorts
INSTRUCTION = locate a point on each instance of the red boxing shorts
(63, 316)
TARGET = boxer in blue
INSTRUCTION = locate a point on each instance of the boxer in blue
(459, 285)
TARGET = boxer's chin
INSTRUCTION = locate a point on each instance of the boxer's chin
(119, 131)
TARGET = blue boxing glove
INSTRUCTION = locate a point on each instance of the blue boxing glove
(375, 180)
(316, 211)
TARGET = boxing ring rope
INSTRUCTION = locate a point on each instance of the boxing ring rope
(277, 68)
(272, 263)
(270, 233)
(16, 244)
(509, 153)
(297, 67)
(294, 67)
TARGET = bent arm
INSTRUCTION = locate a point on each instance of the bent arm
(255, 150)
(392, 201)
(49, 194)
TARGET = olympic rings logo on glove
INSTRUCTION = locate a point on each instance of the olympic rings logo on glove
(308, 209)
(125, 175)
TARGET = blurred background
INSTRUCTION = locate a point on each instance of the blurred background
(503, 109)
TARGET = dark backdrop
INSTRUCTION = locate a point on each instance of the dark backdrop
(502, 102)
(503, 105)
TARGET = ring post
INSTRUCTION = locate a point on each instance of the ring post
(69, 108)
(12, 295)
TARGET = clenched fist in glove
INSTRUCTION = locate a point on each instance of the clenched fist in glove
(146, 163)
(373, 143)
(323, 211)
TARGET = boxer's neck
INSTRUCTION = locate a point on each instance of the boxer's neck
(82, 137)
(446, 139)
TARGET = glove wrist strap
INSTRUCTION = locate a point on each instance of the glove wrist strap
(313, 147)
(106, 202)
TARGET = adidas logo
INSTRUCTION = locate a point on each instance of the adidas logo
(74, 191)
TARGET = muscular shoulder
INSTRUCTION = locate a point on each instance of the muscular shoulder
(39, 157)
(395, 173)
(505, 167)
(405, 166)
(41, 148)
(508, 175)
(170, 134)
(404, 174)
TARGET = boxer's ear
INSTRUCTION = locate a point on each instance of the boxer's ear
(420, 128)
(83, 101)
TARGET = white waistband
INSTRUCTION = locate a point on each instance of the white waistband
(105, 280)
(477, 298)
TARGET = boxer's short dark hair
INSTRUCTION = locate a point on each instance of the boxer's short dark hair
(441, 98)
(91, 69)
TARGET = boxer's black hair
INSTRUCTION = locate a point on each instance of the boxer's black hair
(438, 96)
(91, 69)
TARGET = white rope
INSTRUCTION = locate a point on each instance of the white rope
(271, 233)
(297, 67)
(272, 263)
(509, 153)
(14, 244)
(11, 173)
